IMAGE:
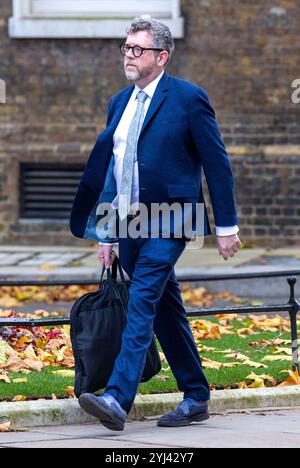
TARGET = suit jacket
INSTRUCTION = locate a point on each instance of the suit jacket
(179, 138)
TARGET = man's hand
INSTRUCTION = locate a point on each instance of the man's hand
(106, 255)
(229, 246)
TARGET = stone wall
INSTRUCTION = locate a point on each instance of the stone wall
(244, 53)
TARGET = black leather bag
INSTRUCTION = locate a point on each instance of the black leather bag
(98, 320)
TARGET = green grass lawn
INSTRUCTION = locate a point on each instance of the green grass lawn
(44, 384)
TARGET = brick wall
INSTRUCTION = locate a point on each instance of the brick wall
(244, 53)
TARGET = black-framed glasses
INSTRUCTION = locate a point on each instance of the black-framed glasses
(136, 50)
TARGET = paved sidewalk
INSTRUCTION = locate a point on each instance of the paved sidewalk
(263, 429)
(60, 262)
(35, 259)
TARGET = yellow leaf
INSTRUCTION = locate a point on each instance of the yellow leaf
(246, 331)
(64, 373)
(20, 380)
(230, 364)
(257, 365)
(287, 351)
(47, 267)
(268, 378)
(237, 357)
(45, 356)
(258, 383)
(276, 358)
(209, 364)
(205, 349)
(8, 301)
(19, 398)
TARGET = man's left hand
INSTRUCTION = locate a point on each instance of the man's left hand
(229, 246)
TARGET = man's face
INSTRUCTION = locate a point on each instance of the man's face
(137, 68)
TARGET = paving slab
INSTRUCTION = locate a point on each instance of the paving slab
(68, 411)
(13, 258)
(275, 429)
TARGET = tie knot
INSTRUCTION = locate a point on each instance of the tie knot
(142, 97)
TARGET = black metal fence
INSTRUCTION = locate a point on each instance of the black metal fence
(292, 307)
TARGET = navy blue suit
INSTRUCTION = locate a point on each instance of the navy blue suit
(179, 137)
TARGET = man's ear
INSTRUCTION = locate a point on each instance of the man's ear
(163, 58)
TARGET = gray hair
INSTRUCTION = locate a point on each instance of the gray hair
(162, 36)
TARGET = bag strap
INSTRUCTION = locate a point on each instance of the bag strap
(113, 286)
(116, 265)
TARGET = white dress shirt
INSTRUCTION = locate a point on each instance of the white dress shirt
(120, 141)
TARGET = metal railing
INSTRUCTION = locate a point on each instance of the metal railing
(292, 307)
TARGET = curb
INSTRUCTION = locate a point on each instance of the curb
(68, 412)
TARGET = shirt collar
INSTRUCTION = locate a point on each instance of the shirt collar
(150, 88)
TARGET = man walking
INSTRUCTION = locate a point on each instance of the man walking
(160, 133)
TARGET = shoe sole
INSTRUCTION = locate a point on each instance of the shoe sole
(199, 418)
(102, 412)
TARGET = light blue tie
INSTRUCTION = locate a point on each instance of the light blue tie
(129, 157)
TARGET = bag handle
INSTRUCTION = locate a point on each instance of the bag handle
(113, 285)
(116, 265)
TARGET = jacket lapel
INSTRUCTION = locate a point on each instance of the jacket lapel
(159, 97)
(121, 106)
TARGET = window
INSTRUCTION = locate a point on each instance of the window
(88, 18)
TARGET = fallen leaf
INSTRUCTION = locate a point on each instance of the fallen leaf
(70, 391)
(276, 358)
(258, 383)
(5, 378)
(162, 377)
(47, 267)
(294, 379)
(241, 385)
(209, 364)
(266, 377)
(287, 351)
(246, 331)
(237, 357)
(19, 398)
(64, 373)
(257, 365)
(5, 427)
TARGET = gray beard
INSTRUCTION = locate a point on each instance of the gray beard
(132, 75)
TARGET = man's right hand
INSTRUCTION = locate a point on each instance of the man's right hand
(106, 255)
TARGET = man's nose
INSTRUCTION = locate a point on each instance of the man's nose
(130, 53)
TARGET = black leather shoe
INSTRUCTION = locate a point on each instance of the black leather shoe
(187, 411)
(106, 409)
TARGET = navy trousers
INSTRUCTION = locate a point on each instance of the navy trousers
(155, 304)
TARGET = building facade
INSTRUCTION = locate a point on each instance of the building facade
(60, 64)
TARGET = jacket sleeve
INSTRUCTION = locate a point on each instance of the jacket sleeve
(214, 159)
